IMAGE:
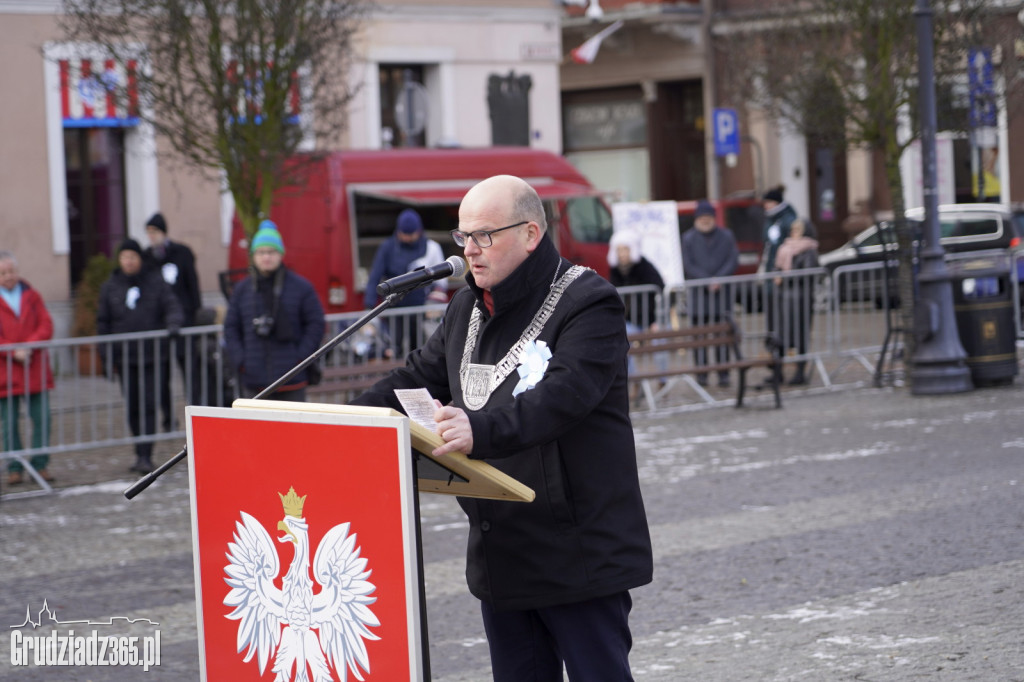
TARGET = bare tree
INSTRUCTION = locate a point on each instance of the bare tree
(237, 86)
(844, 73)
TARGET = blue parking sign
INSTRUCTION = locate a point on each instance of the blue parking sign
(726, 131)
(980, 89)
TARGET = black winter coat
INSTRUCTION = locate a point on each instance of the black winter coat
(137, 303)
(297, 332)
(177, 265)
(569, 438)
(642, 272)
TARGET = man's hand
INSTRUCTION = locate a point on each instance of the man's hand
(453, 426)
(21, 355)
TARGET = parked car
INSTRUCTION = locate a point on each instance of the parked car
(963, 227)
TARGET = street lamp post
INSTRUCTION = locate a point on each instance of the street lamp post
(939, 361)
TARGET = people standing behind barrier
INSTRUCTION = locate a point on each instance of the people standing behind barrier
(177, 265)
(24, 373)
(405, 250)
(137, 299)
(274, 321)
(553, 576)
(796, 300)
(709, 252)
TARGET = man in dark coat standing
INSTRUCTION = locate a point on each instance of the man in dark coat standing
(709, 252)
(274, 321)
(177, 265)
(553, 576)
(778, 217)
(136, 299)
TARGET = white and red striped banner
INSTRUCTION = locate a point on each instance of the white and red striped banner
(98, 92)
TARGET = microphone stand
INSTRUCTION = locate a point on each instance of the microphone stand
(388, 302)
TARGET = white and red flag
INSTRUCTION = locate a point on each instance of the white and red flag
(585, 53)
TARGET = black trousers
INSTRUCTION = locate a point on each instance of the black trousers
(590, 638)
(709, 307)
(188, 362)
(138, 386)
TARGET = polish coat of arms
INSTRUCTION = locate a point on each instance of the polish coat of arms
(306, 634)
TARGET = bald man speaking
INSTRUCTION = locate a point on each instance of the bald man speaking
(529, 370)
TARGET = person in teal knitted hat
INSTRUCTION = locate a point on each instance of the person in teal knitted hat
(274, 321)
(267, 235)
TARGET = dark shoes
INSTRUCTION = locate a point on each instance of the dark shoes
(143, 464)
(723, 380)
(18, 477)
(799, 376)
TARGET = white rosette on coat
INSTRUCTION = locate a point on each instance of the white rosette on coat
(533, 362)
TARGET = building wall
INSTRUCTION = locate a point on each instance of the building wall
(464, 41)
(652, 53)
(466, 45)
(24, 169)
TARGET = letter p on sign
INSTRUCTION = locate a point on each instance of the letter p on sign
(726, 131)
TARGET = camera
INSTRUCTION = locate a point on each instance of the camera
(263, 325)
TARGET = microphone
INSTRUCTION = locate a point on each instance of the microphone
(453, 267)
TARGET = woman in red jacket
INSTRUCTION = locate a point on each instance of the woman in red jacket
(23, 372)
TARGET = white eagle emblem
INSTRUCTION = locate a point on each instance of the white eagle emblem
(339, 612)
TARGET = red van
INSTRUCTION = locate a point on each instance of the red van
(333, 223)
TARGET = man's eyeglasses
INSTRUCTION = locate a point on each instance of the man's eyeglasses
(481, 238)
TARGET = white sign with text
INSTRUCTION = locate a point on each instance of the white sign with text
(657, 223)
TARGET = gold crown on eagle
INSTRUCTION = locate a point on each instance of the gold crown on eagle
(292, 503)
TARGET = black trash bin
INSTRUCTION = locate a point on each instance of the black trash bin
(983, 301)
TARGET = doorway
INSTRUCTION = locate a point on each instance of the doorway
(95, 179)
(676, 142)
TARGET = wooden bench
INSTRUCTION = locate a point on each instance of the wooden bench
(643, 346)
(349, 381)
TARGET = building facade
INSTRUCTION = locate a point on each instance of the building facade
(79, 172)
(638, 118)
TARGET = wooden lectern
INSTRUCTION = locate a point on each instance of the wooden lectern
(306, 541)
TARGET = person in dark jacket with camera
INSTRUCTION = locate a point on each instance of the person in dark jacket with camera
(136, 299)
(274, 321)
(528, 368)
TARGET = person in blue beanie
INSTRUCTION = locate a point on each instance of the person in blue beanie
(406, 250)
(709, 252)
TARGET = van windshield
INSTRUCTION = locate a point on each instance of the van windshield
(589, 220)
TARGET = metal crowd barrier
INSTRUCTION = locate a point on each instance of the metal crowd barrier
(783, 308)
(846, 309)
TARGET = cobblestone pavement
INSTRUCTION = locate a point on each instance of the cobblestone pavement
(860, 534)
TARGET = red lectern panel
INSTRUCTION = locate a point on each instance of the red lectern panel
(304, 545)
